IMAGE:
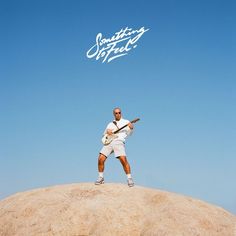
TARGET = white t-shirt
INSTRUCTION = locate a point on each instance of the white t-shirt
(122, 134)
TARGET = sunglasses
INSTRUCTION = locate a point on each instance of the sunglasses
(117, 113)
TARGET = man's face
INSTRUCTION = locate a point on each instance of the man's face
(117, 114)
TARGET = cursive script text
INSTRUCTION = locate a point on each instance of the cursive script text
(118, 45)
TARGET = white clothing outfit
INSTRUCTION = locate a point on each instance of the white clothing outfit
(123, 133)
(118, 144)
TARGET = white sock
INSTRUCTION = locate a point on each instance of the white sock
(100, 174)
(129, 176)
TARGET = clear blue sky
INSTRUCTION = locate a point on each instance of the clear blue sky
(180, 80)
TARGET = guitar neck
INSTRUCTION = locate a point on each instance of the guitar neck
(120, 129)
(133, 121)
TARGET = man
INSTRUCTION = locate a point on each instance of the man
(117, 146)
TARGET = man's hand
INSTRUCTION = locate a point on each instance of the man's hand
(130, 125)
(109, 132)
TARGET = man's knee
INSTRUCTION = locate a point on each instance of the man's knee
(102, 158)
(123, 160)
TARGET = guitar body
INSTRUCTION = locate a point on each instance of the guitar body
(107, 139)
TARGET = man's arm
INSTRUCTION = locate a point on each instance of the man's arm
(130, 125)
(108, 129)
(130, 128)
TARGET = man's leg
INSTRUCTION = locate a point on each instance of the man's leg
(125, 164)
(127, 170)
(101, 160)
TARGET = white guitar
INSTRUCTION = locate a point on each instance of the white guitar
(108, 138)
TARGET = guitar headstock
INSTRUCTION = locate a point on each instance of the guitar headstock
(135, 120)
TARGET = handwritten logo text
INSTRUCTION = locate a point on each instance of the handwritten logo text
(118, 45)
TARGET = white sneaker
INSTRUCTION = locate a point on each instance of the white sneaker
(130, 182)
(99, 181)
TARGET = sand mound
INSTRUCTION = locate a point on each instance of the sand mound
(110, 209)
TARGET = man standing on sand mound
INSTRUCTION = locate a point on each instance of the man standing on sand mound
(115, 142)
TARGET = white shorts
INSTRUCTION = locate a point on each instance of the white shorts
(116, 146)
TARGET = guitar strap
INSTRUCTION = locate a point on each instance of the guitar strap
(114, 122)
